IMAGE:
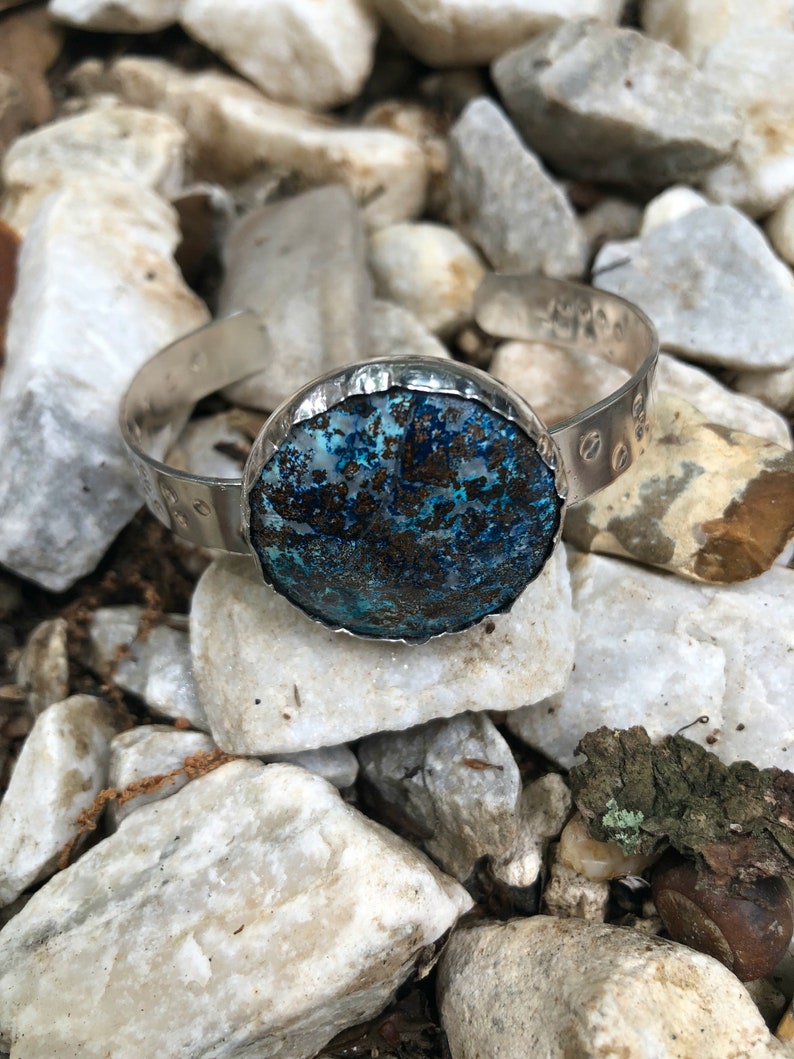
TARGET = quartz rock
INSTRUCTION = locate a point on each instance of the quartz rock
(555, 987)
(117, 16)
(156, 667)
(252, 912)
(43, 667)
(671, 204)
(337, 764)
(775, 388)
(610, 219)
(755, 70)
(296, 51)
(694, 26)
(705, 501)
(713, 287)
(428, 269)
(76, 336)
(396, 330)
(567, 894)
(235, 131)
(145, 753)
(608, 104)
(214, 446)
(517, 215)
(427, 128)
(545, 807)
(466, 33)
(779, 228)
(454, 783)
(122, 142)
(271, 681)
(657, 651)
(60, 770)
(300, 264)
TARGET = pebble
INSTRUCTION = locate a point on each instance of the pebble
(336, 764)
(755, 70)
(568, 894)
(452, 783)
(775, 388)
(660, 652)
(155, 667)
(43, 667)
(779, 227)
(205, 444)
(300, 264)
(551, 987)
(271, 681)
(121, 142)
(671, 204)
(29, 46)
(75, 338)
(396, 330)
(544, 809)
(117, 16)
(611, 105)
(514, 212)
(694, 27)
(713, 287)
(472, 32)
(705, 501)
(60, 770)
(428, 269)
(235, 131)
(297, 51)
(610, 219)
(253, 911)
(146, 752)
(427, 128)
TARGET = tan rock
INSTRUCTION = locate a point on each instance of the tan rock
(709, 503)
(30, 42)
(694, 26)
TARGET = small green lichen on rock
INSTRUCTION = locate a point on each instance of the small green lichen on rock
(623, 826)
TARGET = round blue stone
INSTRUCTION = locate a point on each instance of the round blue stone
(404, 514)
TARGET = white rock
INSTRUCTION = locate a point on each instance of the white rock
(87, 313)
(712, 285)
(60, 770)
(199, 449)
(545, 807)
(454, 783)
(427, 128)
(297, 51)
(514, 212)
(300, 264)
(775, 388)
(396, 330)
(428, 269)
(156, 667)
(671, 204)
(235, 131)
(271, 681)
(657, 651)
(779, 228)
(251, 913)
(694, 26)
(756, 71)
(337, 764)
(43, 667)
(568, 894)
(117, 16)
(472, 32)
(119, 141)
(719, 403)
(611, 218)
(146, 752)
(557, 987)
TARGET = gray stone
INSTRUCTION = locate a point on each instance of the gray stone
(608, 104)
(557, 987)
(775, 388)
(251, 913)
(76, 336)
(671, 204)
(43, 667)
(453, 783)
(60, 770)
(779, 227)
(545, 807)
(156, 667)
(713, 287)
(657, 651)
(337, 764)
(694, 27)
(610, 219)
(514, 212)
(300, 264)
(117, 16)
(396, 330)
(271, 681)
(296, 51)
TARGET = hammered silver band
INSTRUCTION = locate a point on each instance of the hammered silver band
(596, 445)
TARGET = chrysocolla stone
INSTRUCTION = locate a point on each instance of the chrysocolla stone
(404, 514)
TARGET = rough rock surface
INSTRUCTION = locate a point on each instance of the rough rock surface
(62, 767)
(454, 783)
(569, 895)
(272, 681)
(252, 912)
(660, 652)
(68, 486)
(558, 987)
(517, 215)
(609, 104)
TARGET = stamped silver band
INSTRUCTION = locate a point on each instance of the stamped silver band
(596, 445)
